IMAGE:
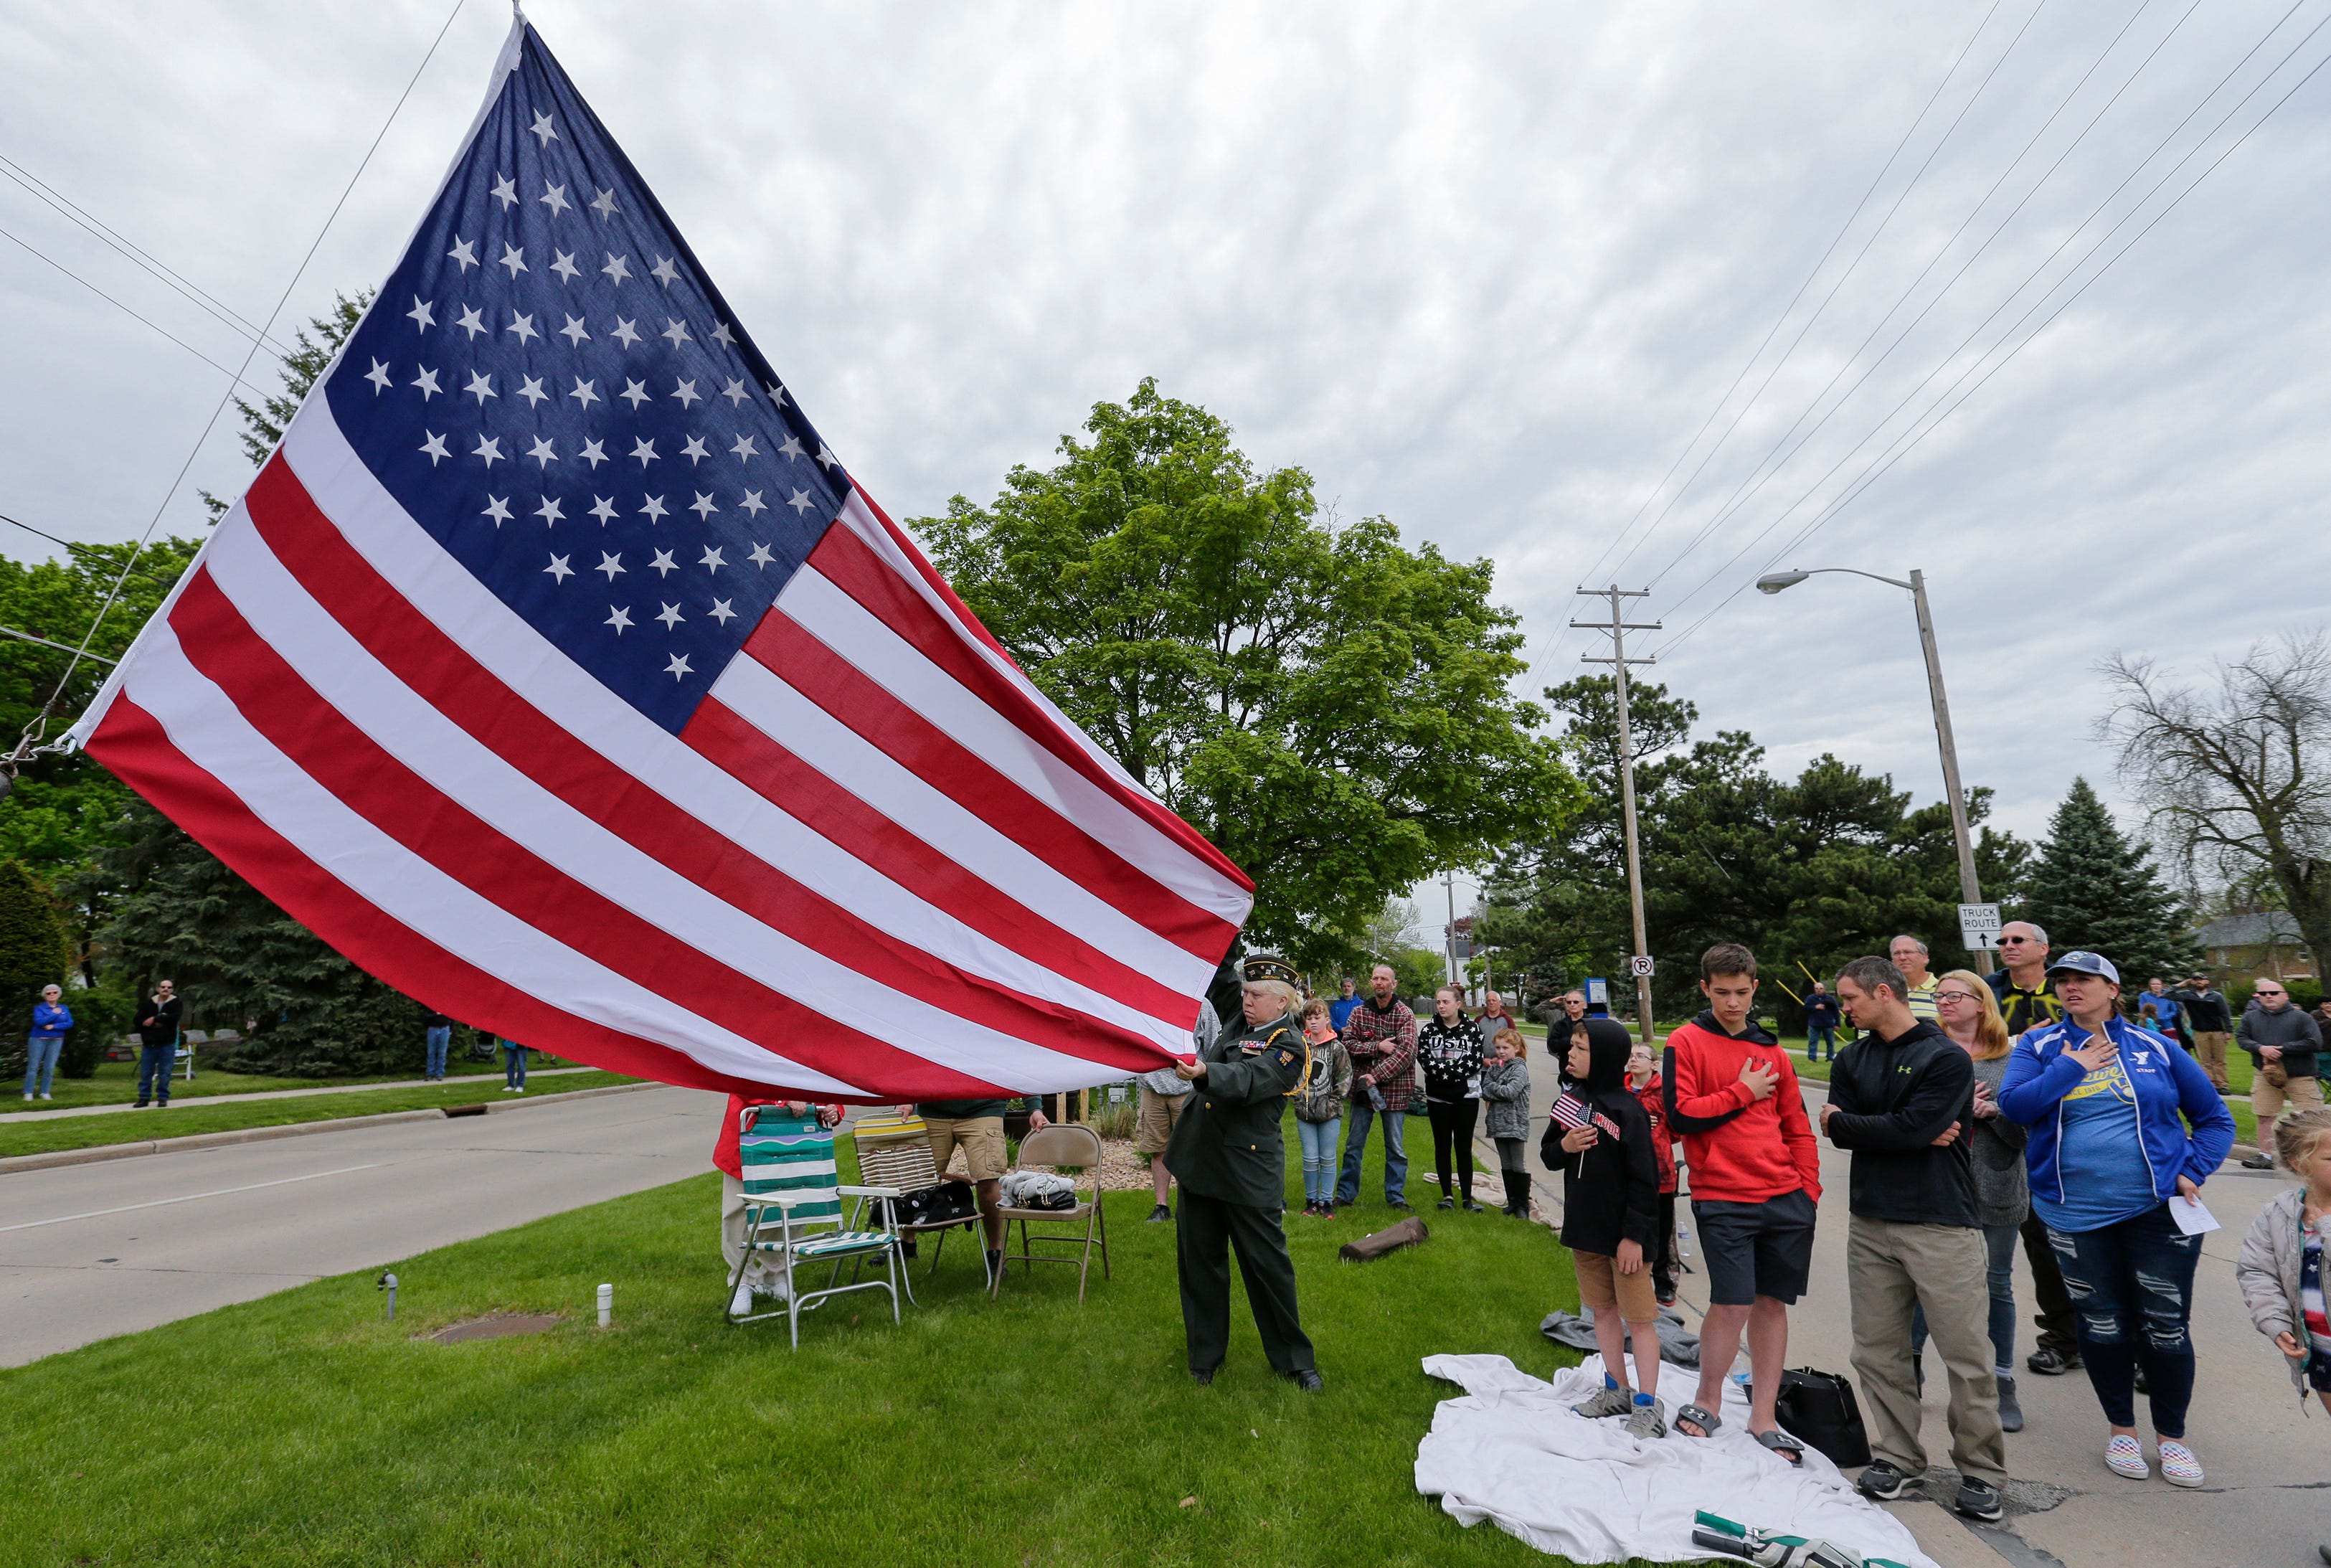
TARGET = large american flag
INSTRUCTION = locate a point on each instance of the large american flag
(554, 670)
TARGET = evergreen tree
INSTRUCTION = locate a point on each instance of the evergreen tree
(2095, 888)
(35, 950)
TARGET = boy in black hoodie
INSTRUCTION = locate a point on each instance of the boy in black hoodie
(1611, 1193)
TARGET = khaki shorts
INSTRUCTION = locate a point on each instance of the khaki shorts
(982, 1141)
(1160, 1113)
(2269, 1101)
(1601, 1288)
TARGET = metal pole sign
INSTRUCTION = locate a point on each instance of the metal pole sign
(1979, 926)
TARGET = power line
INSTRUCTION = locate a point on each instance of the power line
(86, 548)
(1750, 363)
(1747, 491)
(1869, 476)
(2030, 277)
(1904, 195)
(236, 376)
(135, 254)
(40, 721)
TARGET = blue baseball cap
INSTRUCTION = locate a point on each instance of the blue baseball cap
(2081, 963)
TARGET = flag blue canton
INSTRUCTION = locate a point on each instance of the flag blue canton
(550, 384)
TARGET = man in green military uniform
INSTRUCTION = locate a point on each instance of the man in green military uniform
(1226, 1152)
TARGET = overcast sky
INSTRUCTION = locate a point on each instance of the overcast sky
(1483, 270)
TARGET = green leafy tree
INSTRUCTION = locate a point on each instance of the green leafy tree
(2095, 886)
(1327, 706)
(35, 950)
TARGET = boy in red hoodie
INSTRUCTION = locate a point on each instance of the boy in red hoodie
(1731, 1094)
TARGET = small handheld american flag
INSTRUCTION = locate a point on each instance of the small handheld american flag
(1570, 1111)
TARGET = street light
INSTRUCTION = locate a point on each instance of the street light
(1970, 891)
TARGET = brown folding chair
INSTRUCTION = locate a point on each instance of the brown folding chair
(1071, 1148)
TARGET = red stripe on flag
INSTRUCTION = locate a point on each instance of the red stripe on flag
(738, 748)
(844, 690)
(846, 561)
(132, 744)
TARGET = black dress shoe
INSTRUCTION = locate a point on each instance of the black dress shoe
(1203, 1379)
(1446, 1203)
(1308, 1381)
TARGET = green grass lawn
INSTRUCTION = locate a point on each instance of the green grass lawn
(116, 1083)
(301, 1428)
(223, 1113)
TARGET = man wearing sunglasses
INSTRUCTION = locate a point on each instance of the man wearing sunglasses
(2282, 1039)
(2027, 1001)
(2211, 1023)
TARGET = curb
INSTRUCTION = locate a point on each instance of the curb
(285, 1130)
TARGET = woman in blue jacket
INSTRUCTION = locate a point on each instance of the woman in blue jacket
(50, 1019)
(2121, 1121)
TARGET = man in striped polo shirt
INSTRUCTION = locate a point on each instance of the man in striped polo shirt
(1909, 956)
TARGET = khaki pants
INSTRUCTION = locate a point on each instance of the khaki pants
(2269, 1101)
(732, 1235)
(2209, 1050)
(1890, 1270)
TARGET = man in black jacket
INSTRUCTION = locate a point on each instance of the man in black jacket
(1899, 1098)
(2211, 1024)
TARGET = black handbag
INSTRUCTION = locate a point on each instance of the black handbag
(1819, 1410)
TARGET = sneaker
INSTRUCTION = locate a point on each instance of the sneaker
(742, 1302)
(28, 1096)
(2259, 1162)
(2049, 1362)
(994, 1265)
(2011, 1411)
(1326, 1211)
(1881, 1482)
(47, 1096)
(2179, 1468)
(1646, 1420)
(2123, 1456)
(1160, 1215)
(1979, 1500)
(1607, 1402)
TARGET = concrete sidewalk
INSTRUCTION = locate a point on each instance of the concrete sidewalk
(2269, 1497)
(184, 1100)
(88, 1251)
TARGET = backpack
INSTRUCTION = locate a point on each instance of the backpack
(943, 1204)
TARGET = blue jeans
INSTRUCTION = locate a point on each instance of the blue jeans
(41, 1063)
(2132, 1286)
(1318, 1140)
(154, 1066)
(1999, 1273)
(438, 1038)
(1818, 1036)
(1356, 1147)
(513, 1065)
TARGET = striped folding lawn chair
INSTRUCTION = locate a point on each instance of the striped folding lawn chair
(793, 1216)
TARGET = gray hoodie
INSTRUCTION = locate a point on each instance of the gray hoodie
(2288, 1026)
(2267, 1273)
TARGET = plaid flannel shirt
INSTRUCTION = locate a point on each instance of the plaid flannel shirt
(1384, 1044)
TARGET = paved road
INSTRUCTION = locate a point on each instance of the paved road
(2269, 1500)
(88, 1251)
(161, 1119)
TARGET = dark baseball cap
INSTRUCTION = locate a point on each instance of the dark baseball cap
(2082, 962)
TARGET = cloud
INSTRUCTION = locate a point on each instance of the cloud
(1483, 270)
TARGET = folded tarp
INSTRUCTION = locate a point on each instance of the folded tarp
(1676, 1344)
(1512, 1452)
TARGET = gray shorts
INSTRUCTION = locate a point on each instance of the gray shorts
(1753, 1249)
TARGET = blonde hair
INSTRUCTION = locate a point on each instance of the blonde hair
(1521, 1045)
(2298, 1133)
(1991, 1041)
(1314, 1008)
(1289, 998)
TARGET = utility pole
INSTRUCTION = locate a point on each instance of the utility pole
(1618, 626)
(1448, 885)
(1970, 888)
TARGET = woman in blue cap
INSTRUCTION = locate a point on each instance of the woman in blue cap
(2122, 1121)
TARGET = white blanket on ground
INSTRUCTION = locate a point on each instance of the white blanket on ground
(1512, 1451)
